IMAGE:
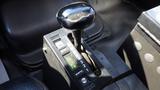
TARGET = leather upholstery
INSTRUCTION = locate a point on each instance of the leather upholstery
(25, 83)
(26, 21)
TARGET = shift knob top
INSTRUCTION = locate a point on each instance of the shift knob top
(76, 16)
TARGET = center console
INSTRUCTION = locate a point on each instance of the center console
(65, 58)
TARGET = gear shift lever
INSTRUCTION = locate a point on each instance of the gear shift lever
(76, 17)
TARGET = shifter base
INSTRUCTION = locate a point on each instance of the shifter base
(64, 57)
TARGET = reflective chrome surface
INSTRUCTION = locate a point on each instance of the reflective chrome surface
(76, 15)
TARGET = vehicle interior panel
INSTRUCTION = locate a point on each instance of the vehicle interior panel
(79, 45)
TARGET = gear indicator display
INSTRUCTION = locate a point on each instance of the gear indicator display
(71, 61)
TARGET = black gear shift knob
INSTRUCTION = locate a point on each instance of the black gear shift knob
(76, 16)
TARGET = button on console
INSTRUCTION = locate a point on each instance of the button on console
(84, 80)
(65, 51)
(59, 44)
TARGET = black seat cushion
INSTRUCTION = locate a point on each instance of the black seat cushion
(26, 21)
(24, 83)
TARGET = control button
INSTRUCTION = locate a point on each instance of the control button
(84, 80)
(65, 51)
(59, 44)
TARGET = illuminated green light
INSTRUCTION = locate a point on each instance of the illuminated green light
(71, 61)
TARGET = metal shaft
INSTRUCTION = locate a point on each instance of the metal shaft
(77, 39)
